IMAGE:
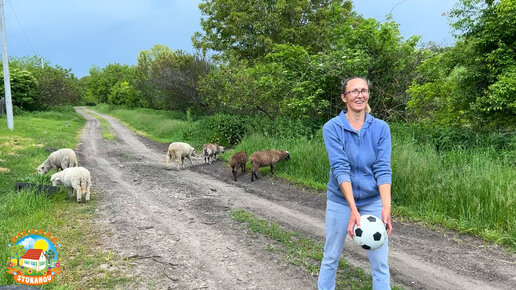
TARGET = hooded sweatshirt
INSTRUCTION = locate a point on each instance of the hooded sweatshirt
(362, 157)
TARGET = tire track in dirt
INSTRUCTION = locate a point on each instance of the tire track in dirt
(183, 219)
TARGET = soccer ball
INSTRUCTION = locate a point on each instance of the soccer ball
(371, 234)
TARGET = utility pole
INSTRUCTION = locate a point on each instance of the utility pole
(7, 80)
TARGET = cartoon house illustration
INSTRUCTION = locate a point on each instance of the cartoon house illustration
(34, 259)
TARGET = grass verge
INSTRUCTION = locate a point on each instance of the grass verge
(303, 252)
(21, 151)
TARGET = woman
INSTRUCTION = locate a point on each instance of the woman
(359, 150)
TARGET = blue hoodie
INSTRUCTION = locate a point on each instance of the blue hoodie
(362, 157)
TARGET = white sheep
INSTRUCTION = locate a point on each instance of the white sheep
(211, 150)
(266, 158)
(59, 160)
(180, 150)
(75, 179)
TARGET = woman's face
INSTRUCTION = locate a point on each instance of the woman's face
(356, 95)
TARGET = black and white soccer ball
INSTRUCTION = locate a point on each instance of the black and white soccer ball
(371, 234)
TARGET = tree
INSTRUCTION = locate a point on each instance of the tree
(293, 82)
(250, 29)
(101, 81)
(50, 255)
(169, 79)
(475, 84)
(17, 251)
(123, 93)
(23, 88)
(55, 85)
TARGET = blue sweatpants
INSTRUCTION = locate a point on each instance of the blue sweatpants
(337, 218)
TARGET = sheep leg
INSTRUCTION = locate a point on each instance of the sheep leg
(272, 169)
(64, 163)
(253, 174)
(243, 168)
(191, 163)
(234, 170)
(70, 192)
(87, 196)
(79, 193)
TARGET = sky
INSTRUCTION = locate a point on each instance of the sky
(77, 34)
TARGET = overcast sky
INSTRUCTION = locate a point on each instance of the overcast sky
(79, 34)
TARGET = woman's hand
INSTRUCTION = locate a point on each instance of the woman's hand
(354, 219)
(386, 218)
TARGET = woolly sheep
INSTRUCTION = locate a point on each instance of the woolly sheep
(238, 160)
(180, 150)
(75, 178)
(211, 150)
(266, 158)
(59, 160)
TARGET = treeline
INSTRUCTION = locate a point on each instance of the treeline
(286, 59)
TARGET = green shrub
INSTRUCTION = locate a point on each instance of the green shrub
(225, 129)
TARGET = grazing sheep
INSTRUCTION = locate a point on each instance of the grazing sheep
(266, 158)
(180, 150)
(238, 160)
(211, 150)
(59, 160)
(75, 178)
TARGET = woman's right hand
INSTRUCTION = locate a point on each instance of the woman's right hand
(354, 219)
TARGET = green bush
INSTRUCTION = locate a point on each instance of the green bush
(283, 127)
(449, 138)
(225, 129)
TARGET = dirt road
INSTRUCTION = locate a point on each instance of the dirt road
(177, 226)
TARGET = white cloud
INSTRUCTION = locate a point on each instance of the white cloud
(28, 243)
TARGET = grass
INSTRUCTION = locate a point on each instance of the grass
(303, 252)
(21, 151)
(161, 126)
(470, 190)
(105, 128)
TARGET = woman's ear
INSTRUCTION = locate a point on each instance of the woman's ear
(343, 97)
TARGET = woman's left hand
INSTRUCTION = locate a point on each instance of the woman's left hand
(386, 218)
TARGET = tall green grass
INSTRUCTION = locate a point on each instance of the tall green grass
(468, 188)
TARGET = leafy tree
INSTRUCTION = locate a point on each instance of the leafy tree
(123, 93)
(101, 81)
(169, 79)
(55, 85)
(23, 88)
(250, 29)
(17, 251)
(476, 84)
(293, 82)
(50, 255)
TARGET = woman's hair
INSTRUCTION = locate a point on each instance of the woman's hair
(345, 84)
